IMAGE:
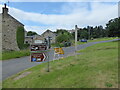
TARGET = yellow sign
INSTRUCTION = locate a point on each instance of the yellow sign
(59, 50)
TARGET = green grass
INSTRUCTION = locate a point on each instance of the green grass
(103, 39)
(98, 39)
(96, 67)
(14, 54)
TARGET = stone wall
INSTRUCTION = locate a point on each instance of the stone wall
(9, 29)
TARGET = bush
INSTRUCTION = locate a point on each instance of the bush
(20, 38)
(26, 46)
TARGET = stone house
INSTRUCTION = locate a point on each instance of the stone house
(40, 38)
(33, 39)
(9, 29)
(28, 39)
(50, 34)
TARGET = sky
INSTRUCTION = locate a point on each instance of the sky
(40, 16)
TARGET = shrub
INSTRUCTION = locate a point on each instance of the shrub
(20, 38)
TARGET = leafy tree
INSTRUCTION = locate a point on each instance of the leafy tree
(31, 33)
(91, 32)
(61, 31)
(112, 30)
(84, 34)
(113, 27)
(63, 38)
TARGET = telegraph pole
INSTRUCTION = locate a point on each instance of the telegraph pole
(76, 28)
(89, 32)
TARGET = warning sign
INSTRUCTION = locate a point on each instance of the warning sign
(59, 50)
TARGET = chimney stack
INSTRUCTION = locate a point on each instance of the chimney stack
(5, 9)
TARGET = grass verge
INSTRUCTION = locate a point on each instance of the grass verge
(97, 39)
(97, 67)
(14, 54)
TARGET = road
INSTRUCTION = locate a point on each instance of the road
(13, 66)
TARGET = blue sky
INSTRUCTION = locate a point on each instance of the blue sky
(46, 7)
(39, 7)
(49, 7)
(39, 16)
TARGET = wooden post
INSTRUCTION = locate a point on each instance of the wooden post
(76, 28)
(89, 33)
(48, 70)
(48, 54)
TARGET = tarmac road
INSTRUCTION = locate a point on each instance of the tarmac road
(13, 66)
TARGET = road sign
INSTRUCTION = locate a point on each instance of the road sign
(38, 52)
(38, 57)
(59, 50)
(38, 47)
(38, 41)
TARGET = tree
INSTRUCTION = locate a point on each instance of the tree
(31, 33)
(113, 27)
(84, 34)
(61, 31)
(63, 38)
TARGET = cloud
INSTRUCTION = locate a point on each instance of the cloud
(76, 14)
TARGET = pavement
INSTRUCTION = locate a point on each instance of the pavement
(14, 66)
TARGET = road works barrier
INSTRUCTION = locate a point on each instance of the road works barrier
(58, 52)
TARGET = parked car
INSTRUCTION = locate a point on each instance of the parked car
(83, 40)
(67, 44)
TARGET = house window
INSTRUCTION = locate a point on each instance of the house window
(26, 41)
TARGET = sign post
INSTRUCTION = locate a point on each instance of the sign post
(48, 63)
(38, 52)
(48, 42)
